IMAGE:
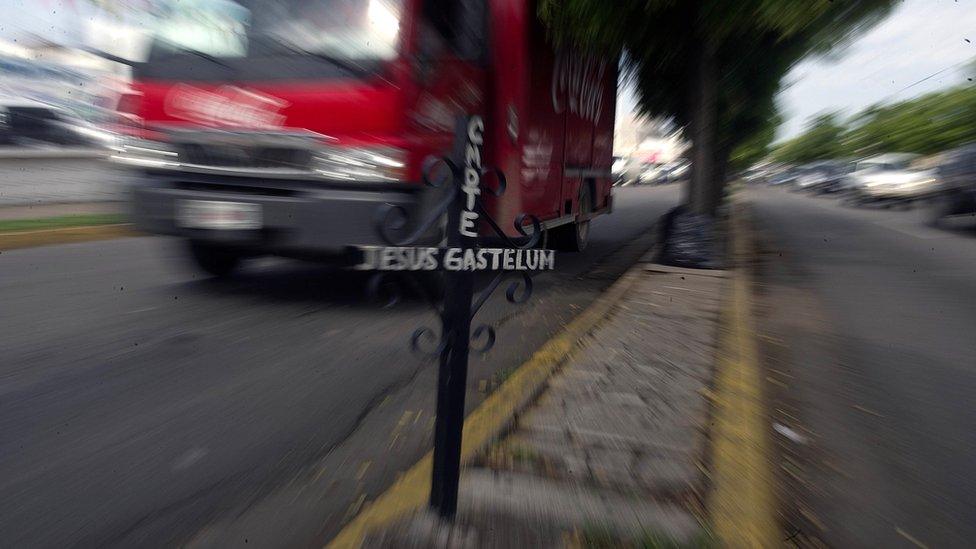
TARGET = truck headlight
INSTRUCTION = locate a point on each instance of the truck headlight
(362, 163)
(148, 154)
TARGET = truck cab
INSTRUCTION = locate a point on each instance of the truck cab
(282, 126)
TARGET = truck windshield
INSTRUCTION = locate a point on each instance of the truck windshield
(250, 37)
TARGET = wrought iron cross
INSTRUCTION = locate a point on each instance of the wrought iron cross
(460, 177)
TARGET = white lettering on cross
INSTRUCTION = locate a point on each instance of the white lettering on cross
(472, 177)
(393, 258)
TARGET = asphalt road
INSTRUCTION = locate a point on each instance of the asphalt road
(141, 405)
(33, 181)
(868, 321)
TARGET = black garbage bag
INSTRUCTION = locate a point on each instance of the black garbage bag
(691, 240)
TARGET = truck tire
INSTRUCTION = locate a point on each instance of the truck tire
(574, 237)
(217, 261)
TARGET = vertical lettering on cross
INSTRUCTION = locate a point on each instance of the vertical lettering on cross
(472, 177)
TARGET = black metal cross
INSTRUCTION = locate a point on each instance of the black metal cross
(462, 256)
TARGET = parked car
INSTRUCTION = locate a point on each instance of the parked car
(785, 176)
(26, 122)
(662, 174)
(956, 193)
(646, 173)
(619, 169)
(824, 176)
(626, 170)
(678, 170)
(801, 178)
(756, 175)
(890, 177)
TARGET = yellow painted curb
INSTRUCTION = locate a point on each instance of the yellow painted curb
(412, 490)
(29, 239)
(742, 502)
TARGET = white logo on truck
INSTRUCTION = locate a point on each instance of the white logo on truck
(228, 106)
(536, 156)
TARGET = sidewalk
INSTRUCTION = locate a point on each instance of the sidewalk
(614, 451)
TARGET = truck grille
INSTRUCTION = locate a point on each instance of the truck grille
(255, 157)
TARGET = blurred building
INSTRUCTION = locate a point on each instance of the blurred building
(652, 141)
(43, 51)
(627, 132)
(66, 77)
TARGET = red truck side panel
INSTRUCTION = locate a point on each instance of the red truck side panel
(507, 95)
(603, 137)
(543, 136)
(561, 105)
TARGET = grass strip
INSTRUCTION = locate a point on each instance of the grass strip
(60, 222)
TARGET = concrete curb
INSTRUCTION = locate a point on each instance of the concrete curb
(26, 153)
(488, 421)
(67, 235)
(742, 501)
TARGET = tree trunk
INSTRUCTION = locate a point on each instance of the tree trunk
(722, 155)
(705, 189)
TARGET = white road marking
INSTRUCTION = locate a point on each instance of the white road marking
(141, 310)
(189, 458)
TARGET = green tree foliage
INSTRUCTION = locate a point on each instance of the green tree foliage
(822, 139)
(756, 148)
(928, 124)
(712, 65)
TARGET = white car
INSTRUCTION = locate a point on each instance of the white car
(650, 174)
(626, 171)
(890, 176)
(26, 121)
(619, 169)
(807, 180)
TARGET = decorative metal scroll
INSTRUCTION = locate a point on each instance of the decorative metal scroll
(405, 254)
(446, 238)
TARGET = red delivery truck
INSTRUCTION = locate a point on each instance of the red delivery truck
(282, 126)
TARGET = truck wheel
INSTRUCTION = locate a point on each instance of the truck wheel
(215, 260)
(573, 237)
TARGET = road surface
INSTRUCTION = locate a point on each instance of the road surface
(142, 405)
(868, 320)
(34, 181)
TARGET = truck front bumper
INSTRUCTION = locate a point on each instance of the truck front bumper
(298, 219)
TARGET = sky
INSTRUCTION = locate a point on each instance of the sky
(56, 20)
(921, 47)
